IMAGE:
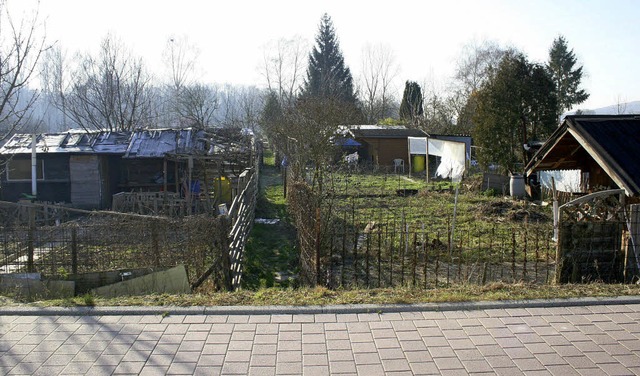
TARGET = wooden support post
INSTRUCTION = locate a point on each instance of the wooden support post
(559, 252)
(632, 251)
(426, 162)
(164, 181)
(556, 212)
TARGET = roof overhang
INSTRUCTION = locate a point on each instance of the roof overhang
(563, 149)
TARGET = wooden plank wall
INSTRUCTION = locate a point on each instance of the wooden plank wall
(85, 181)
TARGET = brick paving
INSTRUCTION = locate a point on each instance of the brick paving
(578, 340)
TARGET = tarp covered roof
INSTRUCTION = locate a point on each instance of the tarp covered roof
(153, 143)
(157, 143)
(69, 142)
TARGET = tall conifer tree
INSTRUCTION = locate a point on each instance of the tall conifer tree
(411, 107)
(567, 79)
(327, 75)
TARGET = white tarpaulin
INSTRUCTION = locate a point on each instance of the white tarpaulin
(452, 154)
(566, 180)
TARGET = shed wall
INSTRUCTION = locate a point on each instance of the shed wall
(383, 151)
(85, 181)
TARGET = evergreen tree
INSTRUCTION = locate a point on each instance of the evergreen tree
(411, 107)
(327, 75)
(516, 105)
(567, 79)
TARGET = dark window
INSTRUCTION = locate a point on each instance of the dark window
(20, 169)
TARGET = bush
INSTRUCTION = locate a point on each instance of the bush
(491, 192)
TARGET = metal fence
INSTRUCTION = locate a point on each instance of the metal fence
(402, 254)
(361, 240)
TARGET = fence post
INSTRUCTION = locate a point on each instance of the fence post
(414, 259)
(317, 246)
(632, 259)
(537, 256)
(380, 257)
(355, 255)
(437, 266)
(31, 238)
(74, 250)
(559, 251)
(513, 254)
(367, 261)
(524, 250)
(155, 244)
(425, 239)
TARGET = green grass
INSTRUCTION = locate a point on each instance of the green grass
(360, 199)
(270, 248)
(323, 296)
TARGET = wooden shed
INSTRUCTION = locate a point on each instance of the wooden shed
(86, 169)
(72, 167)
(603, 147)
(381, 144)
(598, 234)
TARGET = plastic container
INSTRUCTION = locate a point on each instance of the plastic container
(222, 189)
(417, 163)
(516, 186)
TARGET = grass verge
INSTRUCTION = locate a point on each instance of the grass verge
(323, 296)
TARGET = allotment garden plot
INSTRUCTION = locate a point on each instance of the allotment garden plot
(373, 230)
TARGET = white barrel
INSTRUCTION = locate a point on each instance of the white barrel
(516, 185)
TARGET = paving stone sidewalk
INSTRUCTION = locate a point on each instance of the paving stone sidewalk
(601, 339)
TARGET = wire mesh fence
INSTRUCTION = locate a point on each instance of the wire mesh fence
(102, 241)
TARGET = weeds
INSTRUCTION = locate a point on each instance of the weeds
(400, 295)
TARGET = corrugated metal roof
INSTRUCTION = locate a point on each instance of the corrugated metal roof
(157, 143)
(69, 142)
(143, 143)
(152, 143)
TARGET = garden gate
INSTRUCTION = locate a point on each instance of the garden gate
(593, 240)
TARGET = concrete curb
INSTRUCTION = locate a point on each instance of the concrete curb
(311, 310)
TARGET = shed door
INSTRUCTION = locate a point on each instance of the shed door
(85, 181)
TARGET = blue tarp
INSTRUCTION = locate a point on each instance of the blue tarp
(348, 142)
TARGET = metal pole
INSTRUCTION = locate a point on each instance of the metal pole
(34, 167)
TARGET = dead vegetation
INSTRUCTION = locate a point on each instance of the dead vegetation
(512, 211)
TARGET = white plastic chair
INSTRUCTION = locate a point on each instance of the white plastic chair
(398, 164)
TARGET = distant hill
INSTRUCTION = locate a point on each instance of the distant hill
(627, 108)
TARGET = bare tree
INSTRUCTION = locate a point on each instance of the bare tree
(21, 46)
(110, 91)
(196, 105)
(284, 62)
(187, 102)
(241, 107)
(377, 79)
(438, 108)
(180, 57)
(621, 105)
(476, 64)
(55, 82)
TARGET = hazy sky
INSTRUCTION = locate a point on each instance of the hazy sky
(425, 36)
